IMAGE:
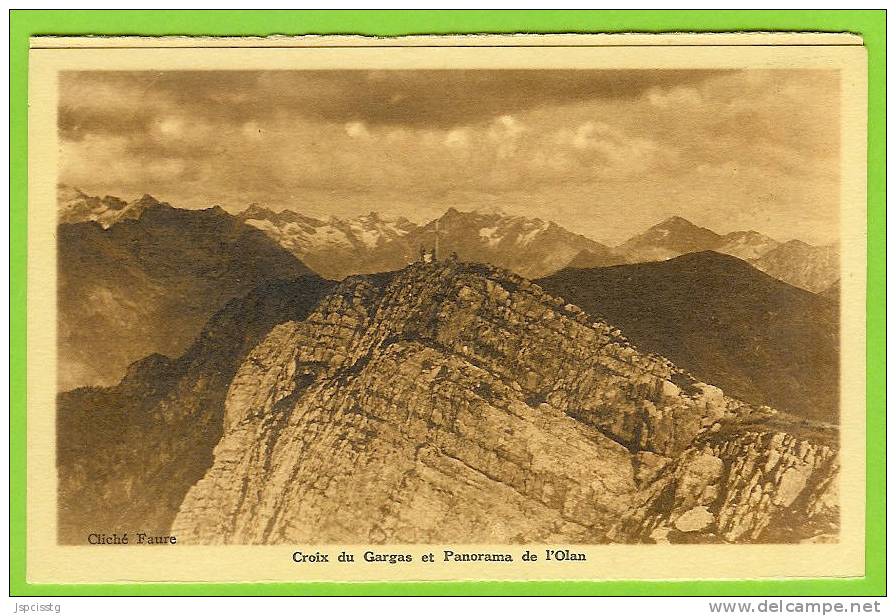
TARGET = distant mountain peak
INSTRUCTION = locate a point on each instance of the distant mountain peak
(677, 224)
(800, 244)
(747, 245)
(75, 206)
(705, 257)
(813, 268)
(255, 210)
(491, 210)
(671, 237)
(675, 221)
(147, 200)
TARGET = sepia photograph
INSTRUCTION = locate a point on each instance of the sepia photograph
(414, 306)
(454, 307)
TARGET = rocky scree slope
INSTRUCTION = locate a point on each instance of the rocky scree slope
(127, 454)
(462, 402)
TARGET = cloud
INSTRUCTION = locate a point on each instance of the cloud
(674, 96)
(114, 102)
(627, 147)
(356, 130)
(457, 138)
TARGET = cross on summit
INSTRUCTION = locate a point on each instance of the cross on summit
(429, 256)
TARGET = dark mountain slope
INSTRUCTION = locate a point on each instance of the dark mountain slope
(729, 324)
(137, 447)
(148, 285)
(832, 293)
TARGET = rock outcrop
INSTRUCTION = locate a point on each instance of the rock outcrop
(461, 402)
(741, 484)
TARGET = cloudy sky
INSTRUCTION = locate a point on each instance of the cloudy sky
(603, 153)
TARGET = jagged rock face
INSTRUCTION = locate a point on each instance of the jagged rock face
(459, 402)
(741, 485)
(127, 454)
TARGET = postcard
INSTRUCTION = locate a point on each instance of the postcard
(572, 307)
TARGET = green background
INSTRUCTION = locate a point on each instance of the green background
(870, 24)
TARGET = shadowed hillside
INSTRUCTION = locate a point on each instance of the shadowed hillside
(758, 338)
(148, 285)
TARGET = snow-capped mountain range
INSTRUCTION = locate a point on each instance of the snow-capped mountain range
(814, 268)
(303, 234)
(676, 236)
(335, 247)
(370, 243)
(76, 206)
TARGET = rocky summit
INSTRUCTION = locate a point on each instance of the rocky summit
(461, 402)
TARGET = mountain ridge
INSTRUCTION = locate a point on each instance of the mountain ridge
(532, 247)
(814, 268)
(372, 242)
(137, 446)
(446, 400)
(149, 284)
(454, 395)
(762, 339)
